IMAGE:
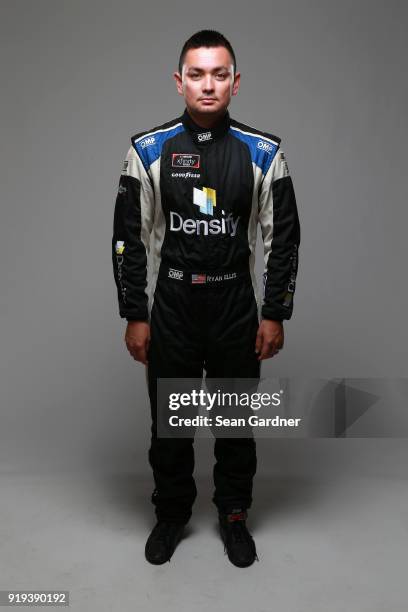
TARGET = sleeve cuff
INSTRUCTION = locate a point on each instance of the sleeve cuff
(276, 313)
(139, 314)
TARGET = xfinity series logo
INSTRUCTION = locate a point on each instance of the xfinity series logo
(185, 160)
(147, 142)
(264, 146)
(202, 227)
(204, 136)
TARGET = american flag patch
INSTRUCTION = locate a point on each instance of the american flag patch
(198, 279)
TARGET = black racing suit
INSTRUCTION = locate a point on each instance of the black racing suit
(199, 195)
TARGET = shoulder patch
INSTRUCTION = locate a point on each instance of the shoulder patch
(262, 145)
(149, 143)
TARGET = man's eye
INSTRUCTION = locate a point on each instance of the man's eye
(221, 75)
(195, 76)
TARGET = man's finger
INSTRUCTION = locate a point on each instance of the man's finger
(139, 356)
(264, 352)
(270, 350)
(137, 351)
(258, 342)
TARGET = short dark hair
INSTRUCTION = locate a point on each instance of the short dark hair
(206, 38)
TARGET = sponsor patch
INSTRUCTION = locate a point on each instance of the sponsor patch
(205, 199)
(264, 146)
(203, 227)
(125, 166)
(122, 189)
(195, 175)
(292, 280)
(204, 136)
(176, 274)
(283, 161)
(150, 140)
(185, 160)
(119, 247)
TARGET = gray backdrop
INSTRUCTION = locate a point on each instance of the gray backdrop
(78, 79)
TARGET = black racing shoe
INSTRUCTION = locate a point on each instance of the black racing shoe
(238, 542)
(162, 541)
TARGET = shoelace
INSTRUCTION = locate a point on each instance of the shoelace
(239, 532)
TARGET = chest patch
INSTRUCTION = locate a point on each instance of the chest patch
(185, 160)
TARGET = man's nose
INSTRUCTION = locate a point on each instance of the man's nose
(208, 83)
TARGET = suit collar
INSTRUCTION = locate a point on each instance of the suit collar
(203, 136)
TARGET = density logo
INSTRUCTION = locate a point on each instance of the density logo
(202, 227)
(205, 200)
(119, 247)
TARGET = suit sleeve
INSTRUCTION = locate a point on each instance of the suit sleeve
(279, 220)
(132, 225)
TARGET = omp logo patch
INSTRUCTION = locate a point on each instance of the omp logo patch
(125, 166)
(204, 136)
(176, 274)
(147, 142)
(206, 199)
(264, 146)
(185, 160)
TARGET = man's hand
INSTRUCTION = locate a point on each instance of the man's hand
(137, 340)
(269, 339)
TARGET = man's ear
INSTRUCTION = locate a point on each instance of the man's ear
(237, 81)
(179, 82)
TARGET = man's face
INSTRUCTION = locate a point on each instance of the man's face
(207, 81)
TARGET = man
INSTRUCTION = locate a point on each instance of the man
(199, 184)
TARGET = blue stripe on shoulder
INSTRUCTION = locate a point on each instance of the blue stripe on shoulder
(262, 149)
(149, 146)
